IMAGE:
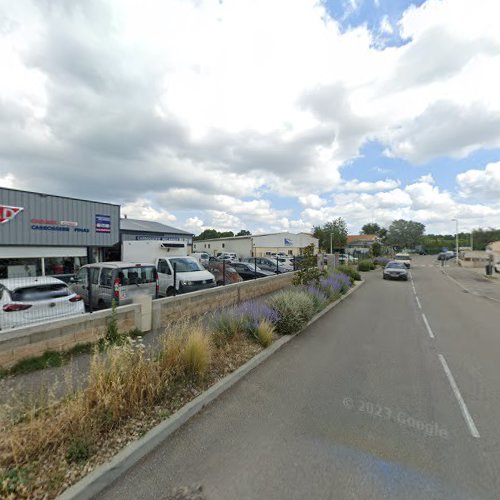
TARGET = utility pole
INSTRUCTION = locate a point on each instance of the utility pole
(331, 243)
(472, 240)
(456, 240)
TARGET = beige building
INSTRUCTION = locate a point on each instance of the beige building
(259, 245)
(476, 258)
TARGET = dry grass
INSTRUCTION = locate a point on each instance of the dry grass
(43, 440)
(265, 333)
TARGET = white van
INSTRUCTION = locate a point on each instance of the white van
(190, 275)
(114, 281)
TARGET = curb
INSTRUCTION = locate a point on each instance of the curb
(467, 290)
(104, 475)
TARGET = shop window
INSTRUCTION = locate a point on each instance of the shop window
(63, 265)
(20, 268)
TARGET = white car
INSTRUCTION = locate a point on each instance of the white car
(404, 258)
(497, 267)
(25, 301)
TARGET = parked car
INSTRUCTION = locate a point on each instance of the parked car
(404, 258)
(202, 257)
(217, 269)
(248, 271)
(114, 281)
(267, 264)
(32, 300)
(227, 256)
(497, 267)
(446, 255)
(395, 270)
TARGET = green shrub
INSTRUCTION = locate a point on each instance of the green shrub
(80, 449)
(350, 271)
(365, 265)
(295, 309)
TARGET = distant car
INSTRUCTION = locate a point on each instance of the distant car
(248, 271)
(33, 300)
(395, 270)
(446, 255)
(497, 267)
(403, 258)
(267, 263)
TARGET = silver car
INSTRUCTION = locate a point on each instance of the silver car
(395, 270)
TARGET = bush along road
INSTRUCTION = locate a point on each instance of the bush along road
(50, 444)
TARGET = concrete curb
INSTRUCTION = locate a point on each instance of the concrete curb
(104, 475)
(466, 289)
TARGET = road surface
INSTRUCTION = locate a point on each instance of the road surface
(393, 394)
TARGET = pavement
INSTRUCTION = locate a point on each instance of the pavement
(393, 394)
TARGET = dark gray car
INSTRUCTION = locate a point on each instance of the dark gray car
(267, 264)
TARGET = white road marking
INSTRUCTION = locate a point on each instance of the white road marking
(418, 302)
(429, 330)
(463, 407)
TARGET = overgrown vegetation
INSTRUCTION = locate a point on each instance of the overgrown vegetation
(129, 384)
(308, 271)
(350, 271)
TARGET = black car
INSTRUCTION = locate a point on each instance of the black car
(247, 270)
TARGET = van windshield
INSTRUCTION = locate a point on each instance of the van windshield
(186, 265)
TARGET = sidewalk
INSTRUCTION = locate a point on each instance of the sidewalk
(474, 281)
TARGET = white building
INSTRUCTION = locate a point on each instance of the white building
(258, 245)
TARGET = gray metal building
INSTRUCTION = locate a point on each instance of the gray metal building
(42, 234)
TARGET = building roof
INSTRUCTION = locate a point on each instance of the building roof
(149, 226)
(352, 238)
(251, 236)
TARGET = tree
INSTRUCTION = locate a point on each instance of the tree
(371, 228)
(376, 249)
(334, 232)
(244, 232)
(209, 234)
(405, 233)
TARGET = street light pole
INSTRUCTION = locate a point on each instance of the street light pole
(331, 240)
(472, 240)
(456, 241)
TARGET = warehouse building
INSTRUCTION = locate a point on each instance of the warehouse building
(133, 230)
(47, 235)
(259, 245)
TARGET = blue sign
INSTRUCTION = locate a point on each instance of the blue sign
(288, 243)
(158, 238)
(103, 224)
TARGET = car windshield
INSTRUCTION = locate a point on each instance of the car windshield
(186, 264)
(395, 265)
(402, 257)
(40, 292)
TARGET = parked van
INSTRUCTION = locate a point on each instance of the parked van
(118, 281)
(191, 275)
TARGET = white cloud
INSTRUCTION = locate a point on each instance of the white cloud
(481, 184)
(142, 209)
(8, 181)
(386, 26)
(120, 93)
(427, 178)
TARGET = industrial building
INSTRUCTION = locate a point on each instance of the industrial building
(258, 245)
(47, 235)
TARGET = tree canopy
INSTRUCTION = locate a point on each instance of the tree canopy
(244, 232)
(371, 228)
(209, 234)
(405, 233)
(336, 230)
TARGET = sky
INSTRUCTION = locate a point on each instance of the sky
(266, 115)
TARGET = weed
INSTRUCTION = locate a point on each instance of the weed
(265, 331)
(196, 353)
(80, 449)
(50, 359)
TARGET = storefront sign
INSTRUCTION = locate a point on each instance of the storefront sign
(51, 222)
(158, 238)
(8, 213)
(103, 223)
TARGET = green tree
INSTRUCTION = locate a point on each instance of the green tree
(371, 228)
(405, 233)
(244, 232)
(209, 234)
(334, 232)
(376, 249)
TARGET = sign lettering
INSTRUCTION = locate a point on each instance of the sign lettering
(7, 213)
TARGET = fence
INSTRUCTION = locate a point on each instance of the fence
(25, 301)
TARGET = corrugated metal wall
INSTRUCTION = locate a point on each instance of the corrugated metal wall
(25, 227)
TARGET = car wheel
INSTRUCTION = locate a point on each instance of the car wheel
(384, 277)
(170, 292)
(219, 283)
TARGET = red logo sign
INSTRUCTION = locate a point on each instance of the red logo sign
(8, 213)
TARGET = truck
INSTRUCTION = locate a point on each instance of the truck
(170, 257)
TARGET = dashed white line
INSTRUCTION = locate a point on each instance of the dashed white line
(463, 407)
(429, 329)
(418, 302)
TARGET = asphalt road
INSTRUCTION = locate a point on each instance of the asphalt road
(373, 401)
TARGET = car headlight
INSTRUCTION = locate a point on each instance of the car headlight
(186, 283)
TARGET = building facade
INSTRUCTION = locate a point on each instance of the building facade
(258, 245)
(47, 235)
(360, 243)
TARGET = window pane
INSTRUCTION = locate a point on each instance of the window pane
(137, 275)
(59, 265)
(20, 268)
(106, 277)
